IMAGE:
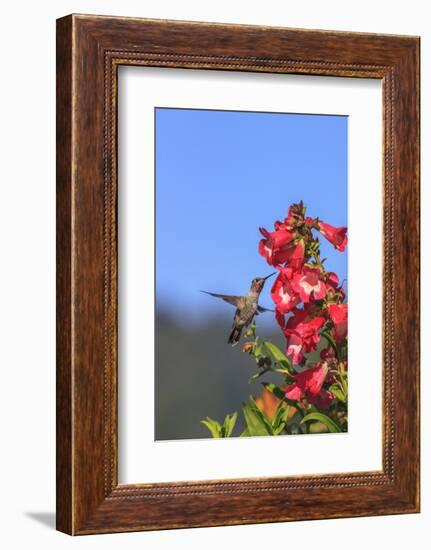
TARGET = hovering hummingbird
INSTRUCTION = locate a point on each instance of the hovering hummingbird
(246, 306)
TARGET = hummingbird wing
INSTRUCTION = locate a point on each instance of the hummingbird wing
(234, 300)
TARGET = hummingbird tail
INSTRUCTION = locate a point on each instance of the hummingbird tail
(235, 335)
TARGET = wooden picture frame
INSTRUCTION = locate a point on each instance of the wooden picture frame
(89, 51)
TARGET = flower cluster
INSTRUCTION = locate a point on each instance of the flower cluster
(309, 301)
(311, 310)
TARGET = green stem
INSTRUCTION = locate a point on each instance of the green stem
(332, 343)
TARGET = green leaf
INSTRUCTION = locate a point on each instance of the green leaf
(277, 431)
(317, 428)
(229, 424)
(258, 350)
(320, 417)
(256, 423)
(343, 371)
(260, 414)
(273, 388)
(280, 417)
(279, 357)
(343, 351)
(213, 426)
(338, 392)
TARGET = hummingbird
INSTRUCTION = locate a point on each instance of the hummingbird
(247, 306)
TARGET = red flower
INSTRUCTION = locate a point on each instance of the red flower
(308, 383)
(300, 315)
(294, 345)
(308, 282)
(282, 293)
(323, 400)
(296, 256)
(307, 299)
(301, 335)
(293, 216)
(338, 315)
(296, 390)
(280, 318)
(278, 226)
(335, 235)
(332, 279)
(275, 246)
(332, 285)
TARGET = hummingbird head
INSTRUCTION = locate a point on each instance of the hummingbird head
(258, 283)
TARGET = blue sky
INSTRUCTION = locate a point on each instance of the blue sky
(222, 174)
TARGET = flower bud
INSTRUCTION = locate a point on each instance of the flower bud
(260, 361)
(309, 222)
(247, 347)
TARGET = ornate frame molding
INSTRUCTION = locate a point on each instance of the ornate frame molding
(90, 49)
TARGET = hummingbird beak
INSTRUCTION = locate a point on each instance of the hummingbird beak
(268, 276)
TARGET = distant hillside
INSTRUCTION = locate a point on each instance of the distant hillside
(198, 374)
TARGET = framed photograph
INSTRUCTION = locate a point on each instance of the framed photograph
(237, 274)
